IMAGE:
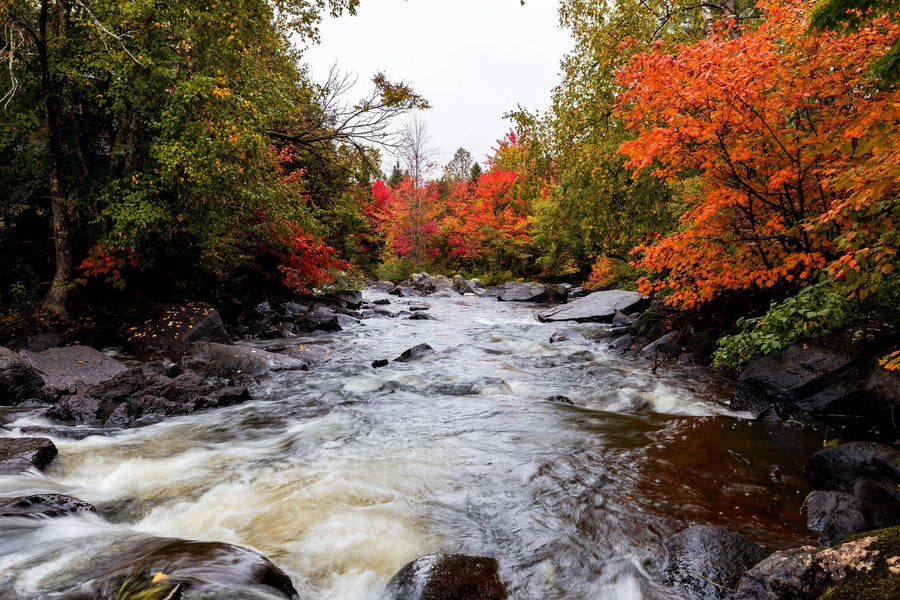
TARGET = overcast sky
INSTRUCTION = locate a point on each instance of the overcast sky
(472, 59)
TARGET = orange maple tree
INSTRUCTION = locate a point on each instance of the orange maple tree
(791, 149)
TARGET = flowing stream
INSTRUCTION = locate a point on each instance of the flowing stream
(343, 474)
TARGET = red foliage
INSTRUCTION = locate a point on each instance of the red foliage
(305, 262)
(108, 263)
(789, 144)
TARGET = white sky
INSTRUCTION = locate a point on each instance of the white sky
(472, 59)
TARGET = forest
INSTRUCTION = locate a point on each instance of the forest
(697, 153)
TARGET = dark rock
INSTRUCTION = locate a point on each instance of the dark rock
(19, 381)
(345, 321)
(567, 335)
(882, 391)
(415, 353)
(153, 391)
(470, 388)
(705, 561)
(462, 286)
(867, 567)
(813, 377)
(43, 341)
(597, 307)
(665, 348)
(525, 292)
(73, 366)
(348, 299)
(841, 467)
(381, 362)
(219, 360)
(321, 318)
(614, 333)
(213, 570)
(43, 505)
(447, 577)
(654, 322)
(620, 319)
(20, 454)
(263, 308)
(292, 309)
(386, 312)
(445, 293)
(837, 516)
(686, 360)
(381, 302)
(578, 292)
(178, 329)
(308, 355)
(560, 400)
(419, 316)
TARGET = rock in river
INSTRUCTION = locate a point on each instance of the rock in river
(19, 381)
(447, 577)
(43, 505)
(706, 561)
(178, 328)
(19, 454)
(526, 292)
(73, 366)
(596, 307)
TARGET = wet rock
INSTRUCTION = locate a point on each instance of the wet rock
(308, 356)
(445, 293)
(620, 319)
(471, 388)
(43, 505)
(526, 292)
(842, 467)
(447, 577)
(351, 299)
(664, 348)
(381, 362)
(294, 310)
(219, 360)
(864, 567)
(20, 454)
(177, 329)
(381, 302)
(597, 307)
(415, 353)
(815, 377)
(419, 316)
(706, 561)
(73, 366)
(149, 393)
(838, 516)
(321, 318)
(558, 399)
(212, 570)
(19, 381)
(567, 335)
(345, 321)
(882, 391)
(462, 286)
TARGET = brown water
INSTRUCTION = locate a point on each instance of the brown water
(343, 474)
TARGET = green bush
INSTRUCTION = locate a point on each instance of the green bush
(814, 311)
(395, 269)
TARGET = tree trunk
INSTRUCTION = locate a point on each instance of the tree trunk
(55, 303)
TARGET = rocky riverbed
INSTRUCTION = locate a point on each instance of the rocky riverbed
(541, 469)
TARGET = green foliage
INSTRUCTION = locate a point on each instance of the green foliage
(395, 269)
(850, 15)
(814, 311)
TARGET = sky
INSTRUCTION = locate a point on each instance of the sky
(473, 60)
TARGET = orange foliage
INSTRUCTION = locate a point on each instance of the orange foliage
(795, 150)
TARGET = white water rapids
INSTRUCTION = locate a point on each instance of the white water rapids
(343, 474)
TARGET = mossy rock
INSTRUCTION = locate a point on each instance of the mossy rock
(864, 566)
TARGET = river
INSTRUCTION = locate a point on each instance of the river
(342, 474)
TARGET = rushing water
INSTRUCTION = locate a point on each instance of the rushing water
(343, 474)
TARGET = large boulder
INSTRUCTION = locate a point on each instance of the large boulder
(151, 392)
(816, 377)
(705, 561)
(220, 360)
(837, 516)
(415, 353)
(177, 329)
(321, 318)
(526, 292)
(447, 577)
(842, 467)
(19, 381)
(72, 367)
(597, 307)
(20, 454)
(867, 567)
(160, 568)
(43, 505)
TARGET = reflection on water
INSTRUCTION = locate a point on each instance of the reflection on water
(343, 474)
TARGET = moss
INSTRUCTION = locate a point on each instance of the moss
(879, 583)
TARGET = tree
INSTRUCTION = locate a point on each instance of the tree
(460, 166)
(789, 149)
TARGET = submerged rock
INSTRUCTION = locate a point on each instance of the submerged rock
(73, 366)
(209, 570)
(447, 577)
(706, 561)
(20, 454)
(866, 567)
(597, 307)
(43, 505)
(415, 353)
(19, 380)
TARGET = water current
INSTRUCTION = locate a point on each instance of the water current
(342, 474)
